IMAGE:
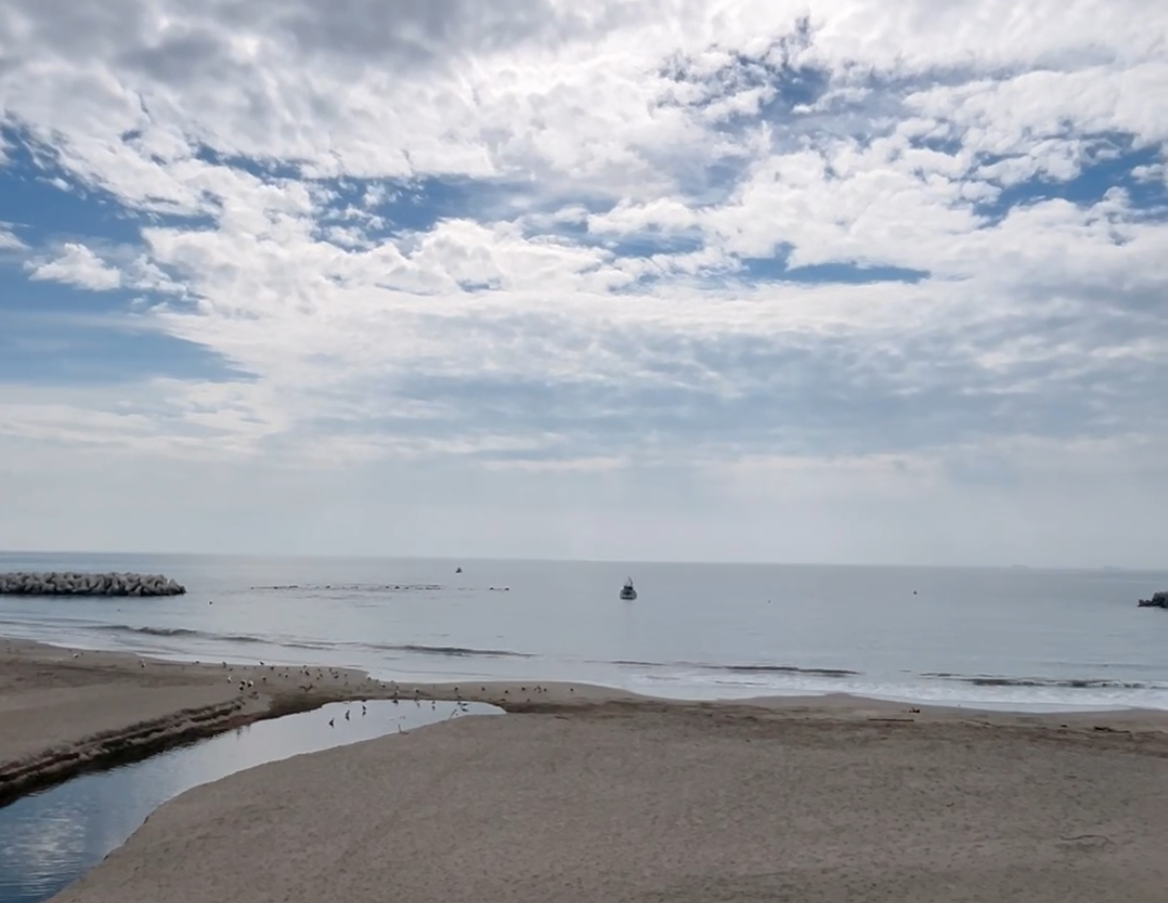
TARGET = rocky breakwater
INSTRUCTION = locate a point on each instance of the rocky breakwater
(1158, 600)
(23, 583)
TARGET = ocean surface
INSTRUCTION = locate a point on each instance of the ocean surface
(1021, 639)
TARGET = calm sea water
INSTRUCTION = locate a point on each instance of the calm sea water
(1009, 638)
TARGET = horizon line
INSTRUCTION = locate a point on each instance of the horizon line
(7, 552)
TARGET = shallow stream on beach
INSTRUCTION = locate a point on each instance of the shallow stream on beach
(51, 838)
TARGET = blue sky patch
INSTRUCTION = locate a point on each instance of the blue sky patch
(775, 269)
(43, 202)
(784, 84)
(1110, 165)
(265, 170)
(418, 205)
(48, 349)
(653, 242)
(53, 334)
(778, 269)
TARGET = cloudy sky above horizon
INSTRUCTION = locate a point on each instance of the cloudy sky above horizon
(663, 279)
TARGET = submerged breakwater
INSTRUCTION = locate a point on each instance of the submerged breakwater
(66, 583)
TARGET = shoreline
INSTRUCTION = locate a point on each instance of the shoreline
(586, 793)
(898, 696)
(123, 707)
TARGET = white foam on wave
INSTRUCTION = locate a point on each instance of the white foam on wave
(681, 685)
(662, 680)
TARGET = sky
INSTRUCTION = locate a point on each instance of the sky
(628, 279)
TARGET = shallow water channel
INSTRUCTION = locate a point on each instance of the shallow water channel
(50, 838)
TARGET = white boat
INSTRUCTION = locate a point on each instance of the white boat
(627, 592)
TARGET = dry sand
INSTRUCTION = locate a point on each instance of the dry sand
(830, 799)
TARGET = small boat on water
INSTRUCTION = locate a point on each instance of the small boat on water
(628, 593)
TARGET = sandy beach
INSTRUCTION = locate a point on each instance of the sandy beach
(585, 794)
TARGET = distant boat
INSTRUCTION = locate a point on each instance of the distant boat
(458, 570)
(627, 592)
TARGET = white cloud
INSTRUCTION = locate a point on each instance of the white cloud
(76, 265)
(1153, 172)
(9, 242)
(582, 304)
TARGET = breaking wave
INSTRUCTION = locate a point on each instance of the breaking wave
(460, 651)
(1073, 683)
(743, 669)
(183, 632)
(357, 651)
(415, 648)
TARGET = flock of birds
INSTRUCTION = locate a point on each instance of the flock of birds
(327, 679)
(319, 679)
(363, 712)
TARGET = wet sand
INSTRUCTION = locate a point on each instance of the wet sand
(590, 795)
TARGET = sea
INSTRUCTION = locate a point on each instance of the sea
(1016, 639)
